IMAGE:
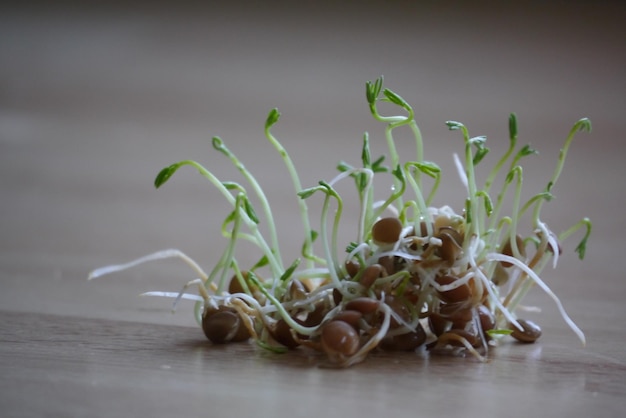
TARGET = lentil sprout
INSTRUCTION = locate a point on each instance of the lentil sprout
(416, 275)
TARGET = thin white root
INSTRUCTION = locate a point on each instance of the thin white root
(159, 255)
(519, 264)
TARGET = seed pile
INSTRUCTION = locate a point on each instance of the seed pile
(416, 274)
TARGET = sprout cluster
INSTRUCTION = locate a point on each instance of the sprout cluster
(414, 275)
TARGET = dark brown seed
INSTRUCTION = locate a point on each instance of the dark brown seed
(352, 268)
(349, 317)
(282, 334)
(507, 250)
(220, 326)
(363, 304)
(370, 274)
(242, 333)
(438, 324)
(338, 337)
(388, 264)
(458, 294)
(486, 317)
(500, 275)
(531, 331)
(399, 308)
(454, 234)
(234, 286)
(315, 318)
(470, 338)
(405, 342)
(474, 291)
(449, 250)
(424, 228)
(297, 291)
(387, 230)
(337, 296)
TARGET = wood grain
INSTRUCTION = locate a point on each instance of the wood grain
(67, 366)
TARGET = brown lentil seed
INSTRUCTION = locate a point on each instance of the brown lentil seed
(339, 337)
(388, 264)
(449, 250)
(438, 324)
(363, 304)
(404, 342)
(531, 331)
(315, 317)
(486, 317)
(296, 290)
(282, 334)
(220, 326)
(370, 274)
(337, 296)
(507, 250)
(234, 286)
(458, 294)
(387, 230)
(352, 268)
(473, 340)
(349, 317)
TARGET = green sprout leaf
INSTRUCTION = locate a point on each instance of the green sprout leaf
(480, 154)
(454, 126)
(525, 151)
(287, 274)
(263, 261)
(372, 90)
(378, 167)
(488, 202)
(512, 127)
(306, 193)
(496, 332)
(351, 246)
(581, 248)
(429, 168)
(165, 174)
(272, 118)
(583, 125)
(468, 210)
(343, 166)
(365, 153)
(249, 209)
(395, 98)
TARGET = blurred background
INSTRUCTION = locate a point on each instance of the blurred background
(96, 98)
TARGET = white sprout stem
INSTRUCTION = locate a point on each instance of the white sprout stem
(159, 255)
(419, 148)
(259, 240)
(260, 194)
(230, 249)
(522, 287)
(310, 259)
(174, 295)
(461, 171)
(519, 264)
(471, 184)
(420, 202)
(498, 166)
(486, 282)
(515, 214)
(393, 153)
(551, 241)
(366, 196)
(330, 257)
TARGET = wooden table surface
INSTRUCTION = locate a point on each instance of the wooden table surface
(95, 101)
